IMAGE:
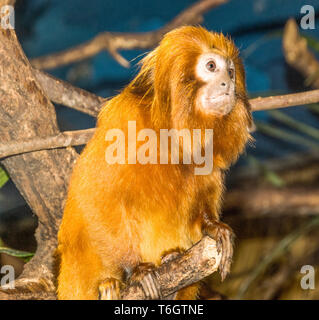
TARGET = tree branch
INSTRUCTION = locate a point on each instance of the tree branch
(7, 2)
(64, 93)
(298, 55)
(195, 264)
(113, 42)
(61, 140)
(284, 101)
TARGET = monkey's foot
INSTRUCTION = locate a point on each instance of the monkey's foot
(143, 273)
(224, 237)
(110, 289)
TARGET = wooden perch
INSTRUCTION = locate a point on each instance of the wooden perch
(113, 42)
(194, 265)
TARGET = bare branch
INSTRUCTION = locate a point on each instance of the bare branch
(7, 2)
(284, 101)
(64, 93)
(298, 55)
(114, 42)
(195, 264)
(63, 139)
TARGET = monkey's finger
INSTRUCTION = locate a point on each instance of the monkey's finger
(226, 255)
(223, 259)
(149, 287)
(222, 266)
(219, 243)
(154, 288)
(110, 289)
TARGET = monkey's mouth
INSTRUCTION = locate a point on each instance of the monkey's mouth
(218, 105)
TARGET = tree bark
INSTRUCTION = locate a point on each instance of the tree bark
(41, 177)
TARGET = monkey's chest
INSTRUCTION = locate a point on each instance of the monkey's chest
(170, 226)
(166, 213)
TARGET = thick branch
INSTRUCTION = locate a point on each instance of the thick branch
(194, 265)
(114, 42)
(41, 177)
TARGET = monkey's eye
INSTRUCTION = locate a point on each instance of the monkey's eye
(231, 73)
(211, 66)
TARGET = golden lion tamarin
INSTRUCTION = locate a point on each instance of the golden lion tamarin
(121, 219)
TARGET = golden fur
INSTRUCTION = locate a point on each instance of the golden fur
(117, 216)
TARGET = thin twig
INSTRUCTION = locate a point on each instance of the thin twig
(284, 101)
(114, 42)
(62, 140)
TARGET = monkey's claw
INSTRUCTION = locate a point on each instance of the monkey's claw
(143, 273)
(224, 237)
(110, 289)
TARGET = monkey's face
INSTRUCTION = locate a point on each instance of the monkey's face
(217, 94)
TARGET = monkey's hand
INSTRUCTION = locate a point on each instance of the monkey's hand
(224, 237)
(143, 273)
(110, 289)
